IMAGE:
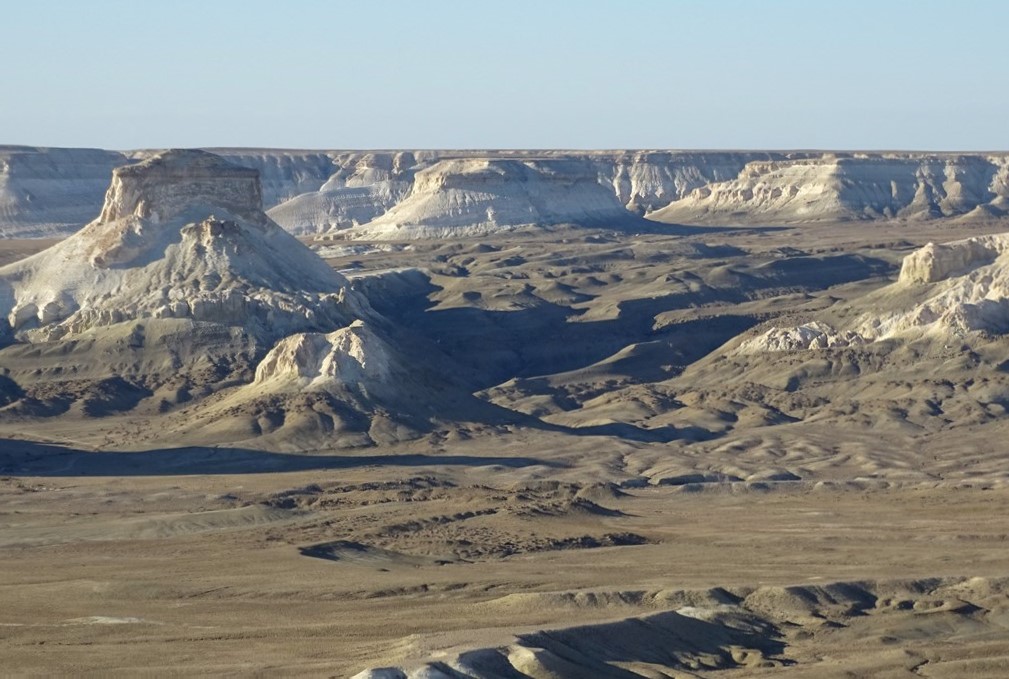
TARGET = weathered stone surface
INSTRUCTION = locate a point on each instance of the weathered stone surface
(182, 235)
(50, 191)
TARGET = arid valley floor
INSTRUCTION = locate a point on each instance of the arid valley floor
(653, 504)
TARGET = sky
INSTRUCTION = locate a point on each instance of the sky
(577, 74)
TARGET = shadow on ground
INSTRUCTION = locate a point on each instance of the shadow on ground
(28, 458)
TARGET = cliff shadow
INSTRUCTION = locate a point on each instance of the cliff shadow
(28, 458)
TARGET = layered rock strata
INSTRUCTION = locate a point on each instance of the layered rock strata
(181, 235)
(51, 191)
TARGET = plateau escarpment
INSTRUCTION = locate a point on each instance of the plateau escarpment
(424, 193)
(182, 288)
(182, 235)
(851, 187)
(51, 191)
(474, 196)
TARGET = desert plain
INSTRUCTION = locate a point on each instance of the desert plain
(657, 449)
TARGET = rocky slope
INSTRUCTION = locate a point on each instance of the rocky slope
(943, 291)
(837, 187)
(181, 235)
(745, 631)
(51, 191)
(474, 196)
(183, 299)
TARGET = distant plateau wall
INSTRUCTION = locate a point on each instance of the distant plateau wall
(52, 192)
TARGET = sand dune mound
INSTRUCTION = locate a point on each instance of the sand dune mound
(466, 197)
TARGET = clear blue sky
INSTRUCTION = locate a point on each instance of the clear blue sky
(869, 74)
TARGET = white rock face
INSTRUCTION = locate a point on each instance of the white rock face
(815, 335)
(470, 197)
(647, 181)
(936, 262)
(944, 290)
(52, 191)
(840, 187)
(181, 235)
(318, 192)
(964, 285)
(166, 184)
(326, 362)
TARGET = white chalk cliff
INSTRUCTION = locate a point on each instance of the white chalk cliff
(944, 290)
(181, 235)
(52, 191)
(46, 192)
(354, 355)
(474, 196)
(958, 287)
(843, 187)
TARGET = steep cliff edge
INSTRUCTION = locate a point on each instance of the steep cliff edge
(181, 235)
(838, 187)
(52, 191)
(944, 291)
(468, 197)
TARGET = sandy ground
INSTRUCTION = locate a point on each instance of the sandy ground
(674, 518)
(206, 573)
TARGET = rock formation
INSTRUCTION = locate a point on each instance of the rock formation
(944, 290)
(359, 188)
(181, 235)
(957, 287)
(354, 355)
(184, 295)
(472, 196)
(45, 192)
(51, 191)
(936, 262)
(844, 187)
(814, 335)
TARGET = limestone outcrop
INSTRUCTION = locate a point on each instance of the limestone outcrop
(52, 191)
(935, 262)
(958, 287)
(813, 335)
(944, 290)
(181, 235)
(847, 187)
(467, 197)
(354, 355)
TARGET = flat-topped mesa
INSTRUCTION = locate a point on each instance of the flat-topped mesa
(182, 236)
(177, 180)
(472, 196)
